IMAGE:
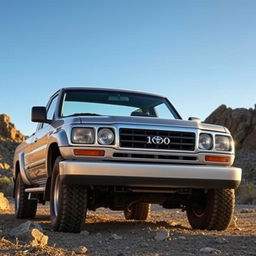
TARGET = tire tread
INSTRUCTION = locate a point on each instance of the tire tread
(27, 208)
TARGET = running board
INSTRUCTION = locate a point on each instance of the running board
(35, 190)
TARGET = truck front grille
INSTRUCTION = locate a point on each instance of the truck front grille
(156, 139)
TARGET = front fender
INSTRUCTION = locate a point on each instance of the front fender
(60, 137)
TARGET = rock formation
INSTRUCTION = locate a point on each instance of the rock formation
(8, 130)
(242, 124)
(9, 139)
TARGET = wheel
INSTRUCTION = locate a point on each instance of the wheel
(68, 203)
(137, 211)
(24, 208)
(215, 210)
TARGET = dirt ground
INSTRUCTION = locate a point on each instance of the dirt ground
(110, 234)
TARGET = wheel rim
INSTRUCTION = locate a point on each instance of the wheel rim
(17, 197)
(198, 212)
(129, 209)
(56, 196)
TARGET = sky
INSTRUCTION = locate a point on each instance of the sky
(198, 53)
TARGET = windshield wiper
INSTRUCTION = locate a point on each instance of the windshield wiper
(85, 114)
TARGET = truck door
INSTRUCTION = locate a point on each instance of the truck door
(37, 156)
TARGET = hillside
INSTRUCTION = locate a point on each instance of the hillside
(242, 124)
(10, 137)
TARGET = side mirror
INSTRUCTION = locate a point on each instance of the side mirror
(195, 119)
(38, 115)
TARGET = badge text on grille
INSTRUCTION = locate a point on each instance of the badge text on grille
(158, 140)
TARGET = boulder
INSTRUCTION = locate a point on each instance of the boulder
(39, 238)
(29, 232)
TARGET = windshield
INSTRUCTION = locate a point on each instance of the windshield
(108, 103)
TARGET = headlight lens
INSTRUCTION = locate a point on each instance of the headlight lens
(83, 135)
(223, 143)
(205, 141)
(106, 136)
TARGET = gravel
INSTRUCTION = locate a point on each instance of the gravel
(108, 233)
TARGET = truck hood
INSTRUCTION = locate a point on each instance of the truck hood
(152, 122)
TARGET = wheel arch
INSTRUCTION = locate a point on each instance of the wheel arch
(52, 154)
(16, 170)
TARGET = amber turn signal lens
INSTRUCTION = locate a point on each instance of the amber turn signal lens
(88, 152)
(220, 159)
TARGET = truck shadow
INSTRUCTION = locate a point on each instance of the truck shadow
(94, 223)
(98, 224)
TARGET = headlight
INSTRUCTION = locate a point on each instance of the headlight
(223, 143)
(83, 135)
(106, 136)
(205, 141)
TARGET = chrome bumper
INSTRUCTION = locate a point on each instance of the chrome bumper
(142, 174)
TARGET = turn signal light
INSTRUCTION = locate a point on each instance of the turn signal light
(220, 159)
(88, 152)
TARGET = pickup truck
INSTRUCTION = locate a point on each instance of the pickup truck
(123, 150)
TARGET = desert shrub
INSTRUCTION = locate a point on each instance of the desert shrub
(6, 185)
(247, 193)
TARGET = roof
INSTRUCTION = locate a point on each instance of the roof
(110, 90)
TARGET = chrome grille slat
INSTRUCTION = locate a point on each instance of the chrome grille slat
(137, 138)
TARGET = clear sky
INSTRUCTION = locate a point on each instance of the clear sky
(199, 54)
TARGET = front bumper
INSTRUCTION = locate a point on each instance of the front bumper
(149, 175)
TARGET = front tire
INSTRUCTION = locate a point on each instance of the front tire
(24, 208)
(137, 211)
(68, 203)
(214, 212)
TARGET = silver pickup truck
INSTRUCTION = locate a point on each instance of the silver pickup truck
(123, 150)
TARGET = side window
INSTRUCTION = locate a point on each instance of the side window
(51, 108)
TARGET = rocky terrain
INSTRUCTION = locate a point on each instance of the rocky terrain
(165, 233)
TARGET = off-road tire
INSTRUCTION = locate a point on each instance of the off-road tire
(68, 215)
(24, 208)
(217, 212)
(137, 211)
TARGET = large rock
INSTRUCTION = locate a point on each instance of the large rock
(29, 232)
(4, 203)
(8, 130)
(39, 238)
